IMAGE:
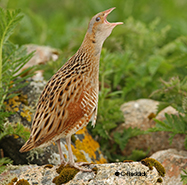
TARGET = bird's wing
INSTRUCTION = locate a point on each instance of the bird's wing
(94, 117)
(63, 108)
(82, 107)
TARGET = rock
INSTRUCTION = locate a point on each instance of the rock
(42, 54)
(84, 147)
(105, 174)
(11, 145)
(173, 161)
(139, 114)
(136, 113)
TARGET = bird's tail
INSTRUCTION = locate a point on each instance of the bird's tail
(29, 145)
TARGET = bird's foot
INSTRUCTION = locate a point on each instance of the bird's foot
(83, 163)
(63, 163)
(78, 166)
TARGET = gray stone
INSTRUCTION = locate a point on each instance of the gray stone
(174, 162)
(139, 113)
(106, 174)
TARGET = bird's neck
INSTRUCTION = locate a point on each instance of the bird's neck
(91, 45)
(91, 52)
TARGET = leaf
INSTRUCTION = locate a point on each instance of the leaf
(101, 131)
(122, 138)
(175, 124)
(154, 63)
(137, 155)
(184, 176)
(12, 59)
(161, 106)
(121, 141)
(12, 18)
(3, 162)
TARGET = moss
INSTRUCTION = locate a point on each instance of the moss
(10, 183)
(151, 116)
(150, 162)
(128, 161)
(48, 166)
(60, 168)
(14, 179)
(22, 182)
(95, 169)
(73, 138)
(159, 180)
(66, 173)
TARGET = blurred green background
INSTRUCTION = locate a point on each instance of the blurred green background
(59, 22)
(152, 44)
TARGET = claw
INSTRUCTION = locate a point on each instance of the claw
(77, 166)
(83, 163)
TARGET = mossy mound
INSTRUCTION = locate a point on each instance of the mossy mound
(20, 182)
(66, 173)
(150, 162)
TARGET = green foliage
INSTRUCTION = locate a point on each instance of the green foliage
(109, 116)
(137, 155)
(184, 177)
(66, 20)
(174, 124)
(12, 59)
(174, 93)
(8, 23)
(3, 162)
(16, 130)
(149, 57)
(134, 68)
(122, 138)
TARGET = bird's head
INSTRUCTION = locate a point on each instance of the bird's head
(99, 28)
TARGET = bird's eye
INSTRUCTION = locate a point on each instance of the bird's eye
(97, 19)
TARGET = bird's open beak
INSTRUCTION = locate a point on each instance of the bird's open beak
(106, 12)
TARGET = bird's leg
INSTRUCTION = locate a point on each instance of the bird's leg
(62, 160)
(71, 161)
